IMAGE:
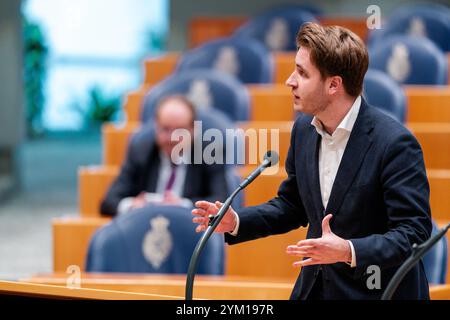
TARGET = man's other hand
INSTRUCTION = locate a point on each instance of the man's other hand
(327, 249)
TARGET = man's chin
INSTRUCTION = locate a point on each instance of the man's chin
(298, 107)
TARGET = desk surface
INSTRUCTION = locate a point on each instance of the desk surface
(61, 292)
(206, 287)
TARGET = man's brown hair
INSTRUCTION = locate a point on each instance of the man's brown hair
(336, 51)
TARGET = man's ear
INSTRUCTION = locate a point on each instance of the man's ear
(334, 84)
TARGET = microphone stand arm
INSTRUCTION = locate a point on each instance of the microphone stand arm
(418, 251)
(213, 223)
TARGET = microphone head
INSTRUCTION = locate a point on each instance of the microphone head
(272, 158)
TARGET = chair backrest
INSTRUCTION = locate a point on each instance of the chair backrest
(431, 21)
(153, 239)
(248, 60)
(277, 28)
(435, 261)
(410, 60)
(207, 89)
(383, 92)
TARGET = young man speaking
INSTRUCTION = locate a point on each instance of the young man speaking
(356, 177)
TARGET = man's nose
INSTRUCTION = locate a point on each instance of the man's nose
(290, 82)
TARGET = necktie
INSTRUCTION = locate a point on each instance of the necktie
(172, 176)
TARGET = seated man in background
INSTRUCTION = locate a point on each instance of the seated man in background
(149, 173)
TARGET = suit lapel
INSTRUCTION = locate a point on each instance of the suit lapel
(188, 181)
(313, 169)
(191, 176)
(357, 146)
(151, 173)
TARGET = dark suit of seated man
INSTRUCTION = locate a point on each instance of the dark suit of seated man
(356, 177)
(149, 173)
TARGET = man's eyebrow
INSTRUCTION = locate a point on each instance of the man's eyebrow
(299, 66)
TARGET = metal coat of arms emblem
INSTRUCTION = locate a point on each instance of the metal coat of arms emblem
(157, 243)
(398, 64)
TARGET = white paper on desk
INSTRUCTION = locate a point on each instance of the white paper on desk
(152, 197)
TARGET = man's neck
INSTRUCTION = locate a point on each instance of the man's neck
(334, 113)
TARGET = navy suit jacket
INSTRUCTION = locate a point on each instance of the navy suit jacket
(379, 201)
(140, 172)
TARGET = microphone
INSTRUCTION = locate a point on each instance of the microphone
(270, 158)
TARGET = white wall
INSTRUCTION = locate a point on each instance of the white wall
(11, 102)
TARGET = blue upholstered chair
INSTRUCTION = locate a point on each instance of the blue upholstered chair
(246, 59)
(435, 261)
(277, 28)
(431, 21)
(153, 239)
(207, 89)
(383, 92)
(410, 60)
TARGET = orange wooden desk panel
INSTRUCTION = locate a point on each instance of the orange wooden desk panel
(71, 236)
(133, 104)
(273, 102)
(157, 69)
(115, 142)
(434, 139)
(439, 194)
(284, 66)
(93, 182)
(58, 291)
(428, 103)
(205, 287)
(204, 29)
(441, 292)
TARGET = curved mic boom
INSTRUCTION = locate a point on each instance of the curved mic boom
(270, 158)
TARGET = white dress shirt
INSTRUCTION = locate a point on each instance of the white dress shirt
(331, 150)
(165, 171)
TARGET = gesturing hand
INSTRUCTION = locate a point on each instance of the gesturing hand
(206, 208)
(139, 201)
(327, 249)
